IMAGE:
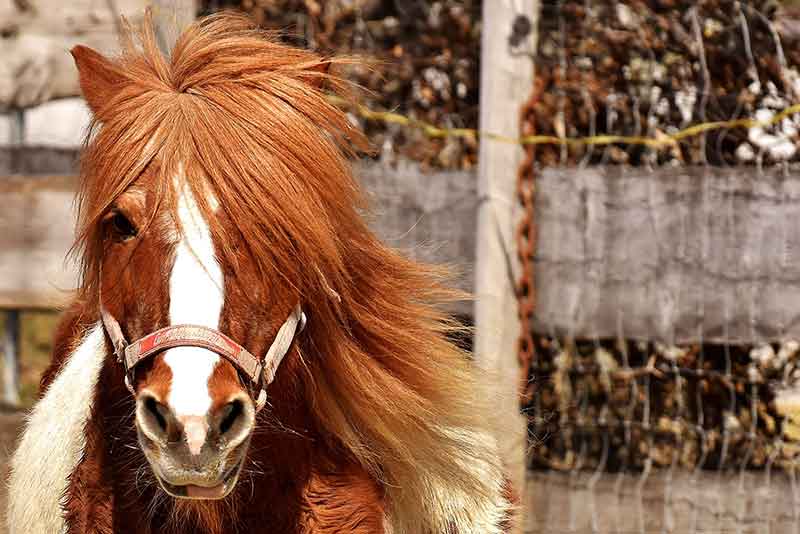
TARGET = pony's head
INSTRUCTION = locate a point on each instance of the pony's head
(216, 191)
(199, 208)
(160, 268)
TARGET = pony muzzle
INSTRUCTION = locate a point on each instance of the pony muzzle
(195, 441)
(195, 456)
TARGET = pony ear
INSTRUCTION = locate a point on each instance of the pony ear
(99, 78)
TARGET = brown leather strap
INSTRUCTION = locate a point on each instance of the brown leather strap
(194, 336)
(260, 372)
(114, 332)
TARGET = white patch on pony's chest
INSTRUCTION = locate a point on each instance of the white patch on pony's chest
(196, 298)
(54, 440)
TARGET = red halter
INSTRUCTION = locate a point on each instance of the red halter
(260, 372)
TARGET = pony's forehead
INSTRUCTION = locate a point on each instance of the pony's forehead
(194, 186)
(162, 180)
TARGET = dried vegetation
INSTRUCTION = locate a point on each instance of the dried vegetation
(651, 68)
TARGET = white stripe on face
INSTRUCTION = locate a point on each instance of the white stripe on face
(196, 297)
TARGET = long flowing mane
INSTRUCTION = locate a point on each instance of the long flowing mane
(246, 118)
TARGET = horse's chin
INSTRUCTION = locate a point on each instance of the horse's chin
(203, 493)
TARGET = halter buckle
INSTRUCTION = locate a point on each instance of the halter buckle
(119, 352)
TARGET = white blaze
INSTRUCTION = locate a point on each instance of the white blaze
(196, 297)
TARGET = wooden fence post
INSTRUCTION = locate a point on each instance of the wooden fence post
(171, 17)
(506, 83)
(12, 326)
(11, 359)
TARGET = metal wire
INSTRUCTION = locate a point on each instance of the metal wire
(697, 420)
(656, 142)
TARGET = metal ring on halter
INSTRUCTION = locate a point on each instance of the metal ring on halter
(128, 372)
(261, 400)
(119, 343)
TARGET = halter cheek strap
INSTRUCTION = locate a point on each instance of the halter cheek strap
(260, 372)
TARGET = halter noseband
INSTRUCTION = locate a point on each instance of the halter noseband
(261, 372)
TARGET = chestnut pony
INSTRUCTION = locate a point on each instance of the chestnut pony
(243, 354)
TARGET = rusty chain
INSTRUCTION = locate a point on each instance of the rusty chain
(526, 247)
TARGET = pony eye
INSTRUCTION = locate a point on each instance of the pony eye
(122, 227)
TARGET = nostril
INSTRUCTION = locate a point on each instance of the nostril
(154, 409)
(230, 413)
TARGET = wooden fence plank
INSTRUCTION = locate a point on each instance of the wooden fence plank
(678, 255)
(679, 501)
(10, 343)
(36, 231)
(171, 17)
(659, 255)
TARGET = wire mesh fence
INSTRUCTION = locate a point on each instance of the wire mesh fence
(663, 388)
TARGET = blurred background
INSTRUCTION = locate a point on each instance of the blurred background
(615, 181)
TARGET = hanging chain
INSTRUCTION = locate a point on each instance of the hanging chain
(526, 247)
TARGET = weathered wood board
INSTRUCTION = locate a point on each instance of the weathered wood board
(36, 36)
(506, 83)
(672, 254)
(666, 254)
(710, 502)
(36, 231)
(430, 217)
(37, 161)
